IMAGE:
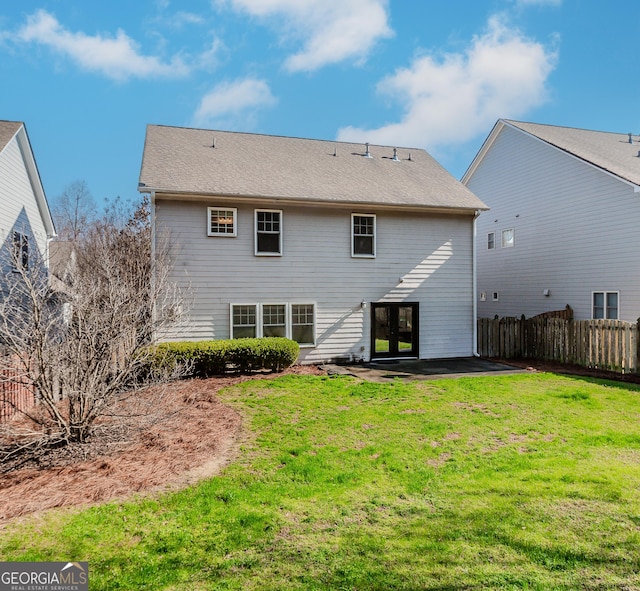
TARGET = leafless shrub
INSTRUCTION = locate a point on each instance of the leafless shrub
(81, 344)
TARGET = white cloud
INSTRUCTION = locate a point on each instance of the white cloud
(331, 30)
(451, 99)
(116, 57)
(235, 102)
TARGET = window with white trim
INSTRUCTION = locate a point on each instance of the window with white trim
(491, 240)
(274, 320)
(20, 251)
(363, 235)
(268, 226)
(294, 321)
(508, 238)
(222, 221)
(243, 321)
(303, 324)
(605, 305)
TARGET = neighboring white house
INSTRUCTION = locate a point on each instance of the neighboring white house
(564, 225)
(25, 220)
(354, 251)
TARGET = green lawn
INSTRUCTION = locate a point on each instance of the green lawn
(518, 482)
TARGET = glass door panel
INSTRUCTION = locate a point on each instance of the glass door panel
(381, 330)
(394, 330)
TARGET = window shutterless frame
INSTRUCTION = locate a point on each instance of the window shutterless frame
(491, 240)
(296, 321)
(508, 238)
(605, 305)
(222, 221)
(268, 232)
(363, 235)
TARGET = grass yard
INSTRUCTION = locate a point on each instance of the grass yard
(513, 482)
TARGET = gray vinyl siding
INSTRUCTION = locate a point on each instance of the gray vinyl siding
(576, 231)
(18, 207)
(420, 258)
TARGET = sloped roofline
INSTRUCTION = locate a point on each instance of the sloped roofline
(187, 162)
(22, 137)
(502, 123)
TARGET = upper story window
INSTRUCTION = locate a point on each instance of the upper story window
(222, 221)
(605, 305)
(20, 251)
(268, 232)
(363, 235)
(508, 238)
(491, 240)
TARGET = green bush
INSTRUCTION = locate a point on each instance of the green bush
(209, 358)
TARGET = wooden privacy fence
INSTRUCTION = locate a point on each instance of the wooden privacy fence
(602, 344)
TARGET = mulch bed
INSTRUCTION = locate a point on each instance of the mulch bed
(193, 437)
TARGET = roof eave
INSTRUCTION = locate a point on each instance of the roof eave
(36, 183)
(431, 208)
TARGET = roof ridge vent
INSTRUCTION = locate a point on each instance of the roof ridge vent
(367, 154)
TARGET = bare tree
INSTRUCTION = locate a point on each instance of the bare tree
(74, 211)
(82, 345)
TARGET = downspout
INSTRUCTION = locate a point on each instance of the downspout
(474, 287)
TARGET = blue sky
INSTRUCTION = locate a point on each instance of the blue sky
(87, 77)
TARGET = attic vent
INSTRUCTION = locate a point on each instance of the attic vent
(395, 155)
(630, 138)
(367, 154)
(410, 159)
(213, 144)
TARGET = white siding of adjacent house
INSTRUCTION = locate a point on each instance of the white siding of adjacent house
(576, 231)
(18, 206)
(420, 258)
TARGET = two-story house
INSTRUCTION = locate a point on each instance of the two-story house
(354, 251)
(25, 220)
(563, 224)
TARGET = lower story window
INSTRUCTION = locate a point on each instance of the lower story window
(243, 321)
(302, 324)
(294, 321)
(273, 321)
(605, 305)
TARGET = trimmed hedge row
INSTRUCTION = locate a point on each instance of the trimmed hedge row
(209, 358)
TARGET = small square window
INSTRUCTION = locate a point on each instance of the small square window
(495, 296)
(222, 221)
(363, 235)
(508, 238)
(268, 232)
(491, 240)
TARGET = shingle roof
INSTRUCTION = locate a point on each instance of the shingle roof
(606, 150)
(182, 160)
(7, 130)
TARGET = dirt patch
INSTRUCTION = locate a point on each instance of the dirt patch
(193, 437)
